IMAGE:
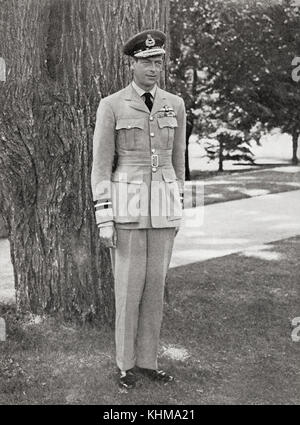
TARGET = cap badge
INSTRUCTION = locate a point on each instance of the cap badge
(150, 42)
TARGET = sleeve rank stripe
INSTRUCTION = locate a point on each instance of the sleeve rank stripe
(103, 206)
(102, 201)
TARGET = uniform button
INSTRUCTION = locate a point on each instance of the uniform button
(151, 118)
(154, 169)
(153, 150)
(152, 134)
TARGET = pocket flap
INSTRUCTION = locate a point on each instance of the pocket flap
(126, 177)
(167, 122)
(128, 123)
(169, 174)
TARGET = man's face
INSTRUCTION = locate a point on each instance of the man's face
(146, 71)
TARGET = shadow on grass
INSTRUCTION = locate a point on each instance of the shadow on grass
(241, 184)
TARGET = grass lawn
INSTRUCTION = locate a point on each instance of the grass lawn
(226, 337)
(229, 186)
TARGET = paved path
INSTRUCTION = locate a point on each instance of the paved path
(7, 293)
(217, 230)
(234, 226)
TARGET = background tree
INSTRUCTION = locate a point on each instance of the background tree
(61, 57)
(246, 48)
(256, 47)
(194, 27)
(186, 22)
(224, 127)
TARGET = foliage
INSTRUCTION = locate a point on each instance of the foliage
(243, 53)
(224, 124)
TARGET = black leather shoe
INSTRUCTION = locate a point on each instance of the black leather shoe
(127, 379)
(156, 375)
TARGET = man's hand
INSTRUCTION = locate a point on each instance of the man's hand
(108, 236)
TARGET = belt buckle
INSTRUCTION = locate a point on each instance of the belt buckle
(154, 160)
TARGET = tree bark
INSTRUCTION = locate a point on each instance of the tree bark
(295, 136)
(62, 57)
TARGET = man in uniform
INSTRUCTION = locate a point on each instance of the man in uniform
(138, 205)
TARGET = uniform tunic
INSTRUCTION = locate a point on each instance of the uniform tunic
(149, 147)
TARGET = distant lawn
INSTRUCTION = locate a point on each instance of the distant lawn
(229, 186)
(226, 337)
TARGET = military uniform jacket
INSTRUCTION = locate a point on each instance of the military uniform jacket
(146, 187)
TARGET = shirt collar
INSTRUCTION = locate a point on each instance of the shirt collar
(140, 91)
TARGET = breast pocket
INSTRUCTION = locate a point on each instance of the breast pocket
(167, 127)
(130, 132)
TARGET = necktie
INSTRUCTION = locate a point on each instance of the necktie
(148, 100)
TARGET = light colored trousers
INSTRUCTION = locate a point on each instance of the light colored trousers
(140, 264)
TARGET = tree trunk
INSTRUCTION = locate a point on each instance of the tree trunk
(189, 129)
(221, 158)
(62, 57)
(295, 136)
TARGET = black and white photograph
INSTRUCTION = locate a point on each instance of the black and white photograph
(149, 205)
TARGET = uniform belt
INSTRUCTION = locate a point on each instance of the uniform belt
(152, 160)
